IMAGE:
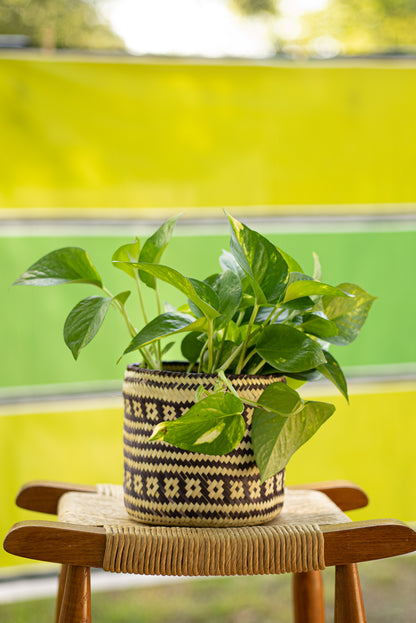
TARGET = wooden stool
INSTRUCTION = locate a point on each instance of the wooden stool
(86, 543)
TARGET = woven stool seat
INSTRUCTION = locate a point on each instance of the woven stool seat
(293, 542)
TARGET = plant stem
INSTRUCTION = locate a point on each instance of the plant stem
(139, 292)
(246, 341)
(158, 303)
(210, 345)
(220, 349)
(251, 403)
(231, 357)
(131, 328)
(155, 347)
(258, 367)
(276, 311)
(247, 359)
(201, 354)
(240, 318)
(158, 350)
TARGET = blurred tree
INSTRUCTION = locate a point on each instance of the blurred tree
(58, 23)
(353, 26)
(365, 26)
(252, 7)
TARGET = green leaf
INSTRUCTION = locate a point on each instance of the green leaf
(206, 293)
(292, 264)
(349, 314)
(300, 289)
(154, 247)
(294, 383)
(86, 318)
(127, 253)
(298, 276)
(227, 285)
(280, 398)
(300, 305)
(247, 301)
(332, 370)
(167, 348)
(166, 324)
(228, 262)
(260, 260)
(67, 265)
(212, 426)
(191, 346)
(275, 437)
(317, 269)
(234, 332)
(181, 283)
(289, 350)
(308, 375)
(316, 325)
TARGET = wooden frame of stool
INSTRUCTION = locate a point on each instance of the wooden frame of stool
(78, 548)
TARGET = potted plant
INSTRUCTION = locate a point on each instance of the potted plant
(207, 439)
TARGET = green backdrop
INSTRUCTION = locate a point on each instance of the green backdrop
(32, 318)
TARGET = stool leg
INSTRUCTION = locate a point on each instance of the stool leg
(76, 599)
(349, 605)
(61, 588)
(308, 597)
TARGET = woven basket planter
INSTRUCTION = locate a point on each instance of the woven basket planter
(164, 485)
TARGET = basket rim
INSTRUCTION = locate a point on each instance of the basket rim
(181, 371)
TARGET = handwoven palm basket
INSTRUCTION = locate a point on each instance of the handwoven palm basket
(164, 485)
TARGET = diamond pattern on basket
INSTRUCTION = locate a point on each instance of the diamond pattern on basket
(137, 483)
(152, 486)
(127, 479)
(236, 490)
(255, 490)
(151, 411)
(171, 487)
(137, 409)
(216, 490)
(193, 488)
(279, 480)
(169, 412)
(269, 486)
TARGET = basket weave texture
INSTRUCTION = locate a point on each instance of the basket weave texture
(164, 485)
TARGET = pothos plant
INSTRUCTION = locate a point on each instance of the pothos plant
(260, 314)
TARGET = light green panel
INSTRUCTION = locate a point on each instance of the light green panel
(32, 318)
(137, 135)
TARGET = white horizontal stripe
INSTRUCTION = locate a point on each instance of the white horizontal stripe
(299, 218)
